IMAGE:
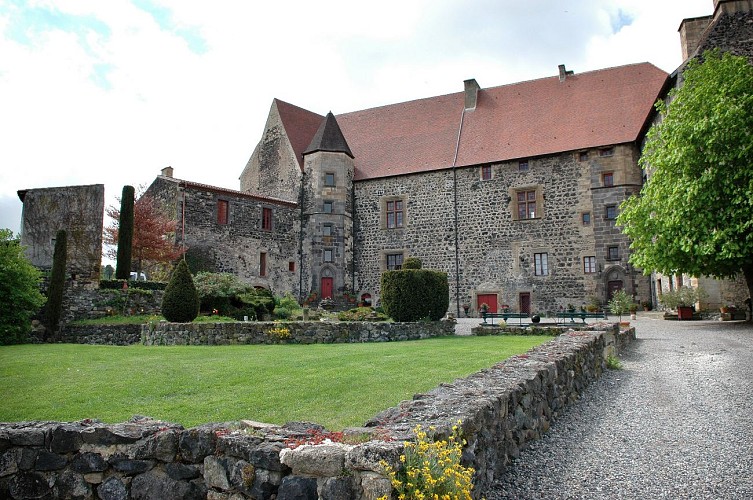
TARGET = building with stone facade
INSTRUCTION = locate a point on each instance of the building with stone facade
(511, 190)
(79, 210)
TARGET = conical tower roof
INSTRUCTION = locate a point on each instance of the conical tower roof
(329, 138)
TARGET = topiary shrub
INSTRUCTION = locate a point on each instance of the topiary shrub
(125, 235)
(415, 294)
(57, 282)
(412, 263)
(181, 301)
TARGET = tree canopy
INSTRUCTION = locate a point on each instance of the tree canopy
(20, 297)
(694, 215)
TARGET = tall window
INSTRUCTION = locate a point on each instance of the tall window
(607, 179)
(486, 172)
(328, 255)
(266, 219)
(395, 214)
(291, 266)
(394, 261)
(589, 265)
(540, 264)
(329, 179)
(222, 210)
(263, 264)
(613, 253)
(611, 212)
(523, 165)
(327, 207)
(526, 204)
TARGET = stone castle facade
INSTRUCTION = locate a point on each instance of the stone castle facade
(512, 190)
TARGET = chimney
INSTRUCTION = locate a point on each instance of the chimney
(564, 73)
(167, 172)
(690, 34)
(471, 93)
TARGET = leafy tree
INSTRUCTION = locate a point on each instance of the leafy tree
(153, 235)
(20, 298)
(695, 213)
(180, 303)
(57, 282)
(620, 303)
(125, 235)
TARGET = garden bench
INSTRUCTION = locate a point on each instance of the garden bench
(582, 315)
(505, 316)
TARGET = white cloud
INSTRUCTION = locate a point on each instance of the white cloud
(111, 92)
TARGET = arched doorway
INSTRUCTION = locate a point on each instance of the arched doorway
(615, 282)
(327, 284)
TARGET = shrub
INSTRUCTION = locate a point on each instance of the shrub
(125, 234)
(361, 314)
(432, 469)
(259, 300)
(620, 303)
(142, 285)
(181, 301)
(412, 263)
(286, 306)
(57, 282)
(414, 294)
(19, 290)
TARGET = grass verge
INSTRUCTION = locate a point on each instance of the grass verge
(336, 385)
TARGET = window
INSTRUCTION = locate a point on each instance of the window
(222, 210)
(526, 204)
(613, 253)
(540, 264)
(523, 165)
(329, 179)
(607, 179)
(266, 219)
(327, 207)
(586, 218)
(606, 152)
(395, 214)
(262, 264)
(328, 255)
(611, 212)
(394, 261)
(327, 234)
(486, 172)
(589, 265)
(583, 156)
(291, 266)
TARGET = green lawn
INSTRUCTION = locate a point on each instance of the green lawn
(336, 385)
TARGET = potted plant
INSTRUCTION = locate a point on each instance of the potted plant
(466, 307)
(483, 308)
(646, 305)
(633, 308)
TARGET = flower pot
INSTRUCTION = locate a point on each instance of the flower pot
(684, 312)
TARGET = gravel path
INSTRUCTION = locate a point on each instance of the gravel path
(675, 422)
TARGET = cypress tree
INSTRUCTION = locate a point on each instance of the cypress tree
(57, 282)
(181, 301)
(125, 234)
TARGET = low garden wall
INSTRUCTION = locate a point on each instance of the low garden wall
(102, 334)
(294, 332)
(501, 409)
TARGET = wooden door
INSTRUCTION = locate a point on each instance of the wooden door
(525, 302)
(327, 285)
(490, 299)
(612, 288)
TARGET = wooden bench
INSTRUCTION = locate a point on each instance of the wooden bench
(505, 316)
(582, 315)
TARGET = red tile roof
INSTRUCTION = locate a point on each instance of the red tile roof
(521, 120)
(300, 126)
(238, 194)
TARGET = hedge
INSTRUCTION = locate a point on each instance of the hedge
(415, 294)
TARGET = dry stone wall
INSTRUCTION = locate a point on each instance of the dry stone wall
(501, 409)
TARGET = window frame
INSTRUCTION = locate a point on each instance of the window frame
(606, 152)
(541, 264)
(262, 264)
(589, 264)
(526, 202)
(266, 219)
(585, 218)
(328, 255)
(486, 172)
(523, 166)
(607, 179)
(291, 266)
(613, 253)
(583, 156)
(610, 212)
(394, 256)
(327, 177)
(329, 207)
(394, 213)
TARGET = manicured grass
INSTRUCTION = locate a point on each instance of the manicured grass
(336, 385)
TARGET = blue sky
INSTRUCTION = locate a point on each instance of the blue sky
(112, 91)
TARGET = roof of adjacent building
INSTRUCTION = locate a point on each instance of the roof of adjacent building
(231, 192)
(521, 120)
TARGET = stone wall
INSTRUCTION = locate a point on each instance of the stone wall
(102, 335)
(298, 332)
(495, 250)
(501, 409)
(79, 210)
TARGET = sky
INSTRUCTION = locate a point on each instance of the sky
(110, 92)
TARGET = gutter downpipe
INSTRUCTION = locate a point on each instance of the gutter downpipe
(455, 192)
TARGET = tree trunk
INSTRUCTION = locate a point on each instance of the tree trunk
(748, 273)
